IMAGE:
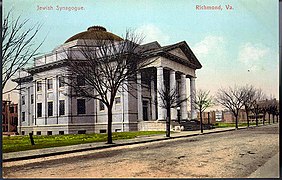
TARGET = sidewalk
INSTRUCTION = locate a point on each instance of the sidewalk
(31, 154)
(269, 170)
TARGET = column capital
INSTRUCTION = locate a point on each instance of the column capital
(159, 67)
(171, 71)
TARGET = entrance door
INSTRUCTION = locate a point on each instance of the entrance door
(145, 110)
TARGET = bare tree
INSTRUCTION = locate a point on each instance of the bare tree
(263, 109)
(202, 101)
(232, 99)
(273, 109)
(18, 45)
(258, 105)
(170, 99)
(249, 100)
(277, 113)
(268, 110)
(106, 67)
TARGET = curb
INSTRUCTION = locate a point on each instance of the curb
(106, 146)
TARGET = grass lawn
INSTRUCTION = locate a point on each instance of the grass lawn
(22, 143)
(223, 125)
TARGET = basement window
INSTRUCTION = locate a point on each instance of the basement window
(103, 130)
(81, 132)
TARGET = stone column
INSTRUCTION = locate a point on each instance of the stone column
(193, 97)
(34, 102)
(56, 102)
(125, 106)
(139, 97)
(28, 104)
(160, 88)
(153, 100)
(44, 101)
(183, 110)
(172, 88)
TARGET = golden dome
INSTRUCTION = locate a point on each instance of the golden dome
(95, 33)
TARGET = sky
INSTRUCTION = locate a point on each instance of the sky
(235, 47)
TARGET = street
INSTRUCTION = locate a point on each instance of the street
(228, 154)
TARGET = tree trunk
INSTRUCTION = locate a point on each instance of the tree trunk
(263, 118)
(277, 118)
(268, 118)
(168, 122)
(236, 121)
(110, 120)
(257, 119)
(273, 118)
(248, 121)
(201, 122)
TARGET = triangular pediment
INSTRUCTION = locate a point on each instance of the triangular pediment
(178, 52)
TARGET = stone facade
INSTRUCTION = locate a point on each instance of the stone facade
(50, 110)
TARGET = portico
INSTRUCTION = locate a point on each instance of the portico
(173, 70)
(177, 81)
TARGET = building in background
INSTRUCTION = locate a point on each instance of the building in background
(9, 117)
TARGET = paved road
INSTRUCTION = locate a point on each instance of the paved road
(229, 154)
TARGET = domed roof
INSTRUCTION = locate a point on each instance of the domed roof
(95, 33)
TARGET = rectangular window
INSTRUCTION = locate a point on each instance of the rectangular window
(81, 132)
(39, 109)
(11, 109)
(49, 133)
(103, 130)
(23, 116)
(38, 133)
(61, 81)
(61, 107)
(22, 132)
(50, 84)
(81, 106)
(39, 86)
(61, 132)
(102, 106)
(80, 80)
(31, 99)
(15, 122)
(50, 108)
(117, 100)
(23, 100)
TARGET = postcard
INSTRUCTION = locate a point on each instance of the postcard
(140, 89)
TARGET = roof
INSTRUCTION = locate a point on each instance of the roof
(23, 79)
(95, 33)
(193, 61)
